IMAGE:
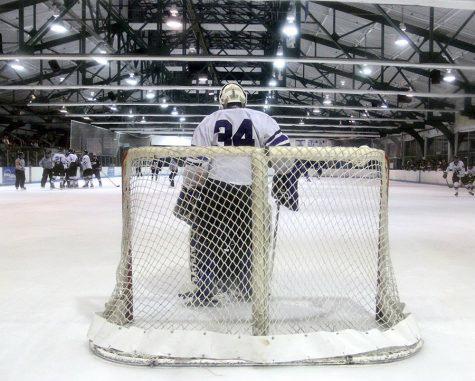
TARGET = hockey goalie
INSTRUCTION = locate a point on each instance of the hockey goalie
(215, 199)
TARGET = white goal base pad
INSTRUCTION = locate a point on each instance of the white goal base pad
(155, 347)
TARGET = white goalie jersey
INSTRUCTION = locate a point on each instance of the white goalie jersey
(236, 127)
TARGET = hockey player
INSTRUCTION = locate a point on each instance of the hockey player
(47, 164)
(71, 169)
(458, 169)
(138, 170)
(155, 167)
(87, 169)
(20, 171)
(96, 168)
(217, 199)
(59, 165)
(173, 167)
(468, 180)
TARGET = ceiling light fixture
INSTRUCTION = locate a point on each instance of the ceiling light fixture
(101, 61)
(173, 21)
(327, 101)
(132, 80)
(290, 29)
(150, 94)
(57, 27)
(164, 103)
(279, 61)
(401, 42)
(16, 65)
(56, 12)
(366, 70)
(449, 76)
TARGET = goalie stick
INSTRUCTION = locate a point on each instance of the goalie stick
(274, 243)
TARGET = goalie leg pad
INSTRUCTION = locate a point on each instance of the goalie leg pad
(186, 205)
(223, 245)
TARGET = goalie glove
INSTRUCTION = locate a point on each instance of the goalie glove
(285, 190)
(185, 204)
(444, 175)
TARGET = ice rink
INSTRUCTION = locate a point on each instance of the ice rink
(59, 251)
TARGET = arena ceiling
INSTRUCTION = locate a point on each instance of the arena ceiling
(344, 69)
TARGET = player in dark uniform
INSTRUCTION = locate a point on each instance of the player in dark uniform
(138, 170)
(47, 164)
(156, 167)
(96, 168)
(173, 166)
(468, 180)
(72, 165)
(59, 164)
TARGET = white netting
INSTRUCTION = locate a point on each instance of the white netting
(250, 242)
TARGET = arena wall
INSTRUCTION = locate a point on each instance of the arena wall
(422, 177)
(33, 175)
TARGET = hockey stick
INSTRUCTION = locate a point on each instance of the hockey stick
(274, 243)
(108, 178)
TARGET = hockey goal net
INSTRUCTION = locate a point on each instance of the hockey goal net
(240, 255)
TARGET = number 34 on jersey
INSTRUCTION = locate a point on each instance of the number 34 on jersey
(239, 127)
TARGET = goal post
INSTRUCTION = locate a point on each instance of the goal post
(219, 283)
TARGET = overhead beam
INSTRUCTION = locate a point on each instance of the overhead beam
(303, 117)
(140, 123)
(259, 105)
(248, 88)
(232, 59)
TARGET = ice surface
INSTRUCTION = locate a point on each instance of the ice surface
(59, 251)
